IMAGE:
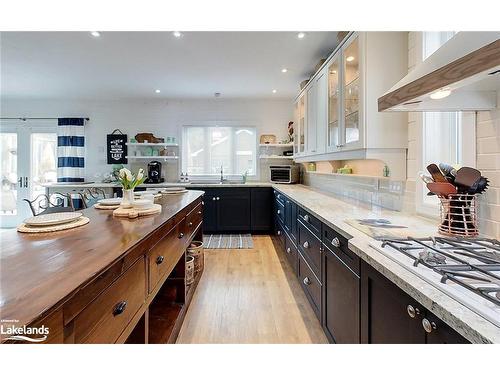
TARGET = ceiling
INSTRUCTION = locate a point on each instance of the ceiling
(133, 64)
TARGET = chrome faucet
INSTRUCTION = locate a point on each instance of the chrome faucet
(221, 174)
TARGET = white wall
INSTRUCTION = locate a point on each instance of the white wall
(161, 117)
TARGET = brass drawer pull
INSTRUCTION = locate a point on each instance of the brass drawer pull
(181, 235)
(160, 259)
(190, 224)
(119, 308)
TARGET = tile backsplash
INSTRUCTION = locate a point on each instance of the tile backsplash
(378, 191)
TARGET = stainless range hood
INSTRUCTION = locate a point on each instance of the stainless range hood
(462, 75)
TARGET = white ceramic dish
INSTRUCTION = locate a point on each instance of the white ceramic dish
(142, 204)
(173, 189)
(153, 192)
(110, 201)
(52, 219)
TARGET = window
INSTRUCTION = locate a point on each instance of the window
(206, 149)
(444, 134)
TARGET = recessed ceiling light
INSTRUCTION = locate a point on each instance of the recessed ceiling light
(301, 35)
(350, 58)
(440, 94)
(157, 91)
(95, 34)
(177, 34)
(275, 91)
(284, 70)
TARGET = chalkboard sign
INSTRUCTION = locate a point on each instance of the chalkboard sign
(117, 147)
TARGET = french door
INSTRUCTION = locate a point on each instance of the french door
(28, 159)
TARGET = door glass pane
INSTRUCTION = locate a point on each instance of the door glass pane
(8, 205)
(302, 124)
(43, 161)
(333, 104)
(351, 91)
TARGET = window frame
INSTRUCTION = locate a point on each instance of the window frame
(222, 124)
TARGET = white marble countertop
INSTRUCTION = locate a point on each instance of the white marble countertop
(335, 210)
(160, 185)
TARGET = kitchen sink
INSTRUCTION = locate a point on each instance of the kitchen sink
(217, 182)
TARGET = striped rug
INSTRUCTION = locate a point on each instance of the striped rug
(228, 241)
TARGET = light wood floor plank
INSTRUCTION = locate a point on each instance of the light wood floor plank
(249, 296)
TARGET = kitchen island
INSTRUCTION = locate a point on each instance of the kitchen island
(112, 280)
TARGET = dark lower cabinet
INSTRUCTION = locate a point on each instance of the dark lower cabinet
(390, 316)
(310, 284)
(209, 212)
(341, 300)
(233, 211)
(261, 219)
(291, 220)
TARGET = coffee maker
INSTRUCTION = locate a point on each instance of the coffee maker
(154, 173)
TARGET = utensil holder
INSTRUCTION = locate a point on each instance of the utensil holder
(459, 215)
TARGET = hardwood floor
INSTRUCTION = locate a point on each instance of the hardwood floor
(249, 296)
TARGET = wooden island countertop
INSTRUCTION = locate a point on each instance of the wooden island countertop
(39, 272)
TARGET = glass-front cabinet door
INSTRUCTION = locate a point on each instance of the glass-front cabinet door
(302, 124)
(334, 105)
(351, 93)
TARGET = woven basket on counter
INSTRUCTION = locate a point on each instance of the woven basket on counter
(459, 215)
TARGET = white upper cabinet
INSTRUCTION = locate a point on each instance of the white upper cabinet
(342, 114)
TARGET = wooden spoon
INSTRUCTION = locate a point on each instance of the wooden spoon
(436, 173)
(442, 189)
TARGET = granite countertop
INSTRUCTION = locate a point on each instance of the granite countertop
(335, 210)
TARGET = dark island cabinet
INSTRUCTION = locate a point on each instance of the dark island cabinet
(210, 212)
(291, 219)
(341, 300)
(390, 316)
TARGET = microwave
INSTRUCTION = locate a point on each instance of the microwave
(284, 174)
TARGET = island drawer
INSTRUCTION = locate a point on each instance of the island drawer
(310, 246)
(311, 222)
(193, 219)
(280, 211)
(163, 257)
(310, 284)
(291, 253)
(108, 315)
(279, 197)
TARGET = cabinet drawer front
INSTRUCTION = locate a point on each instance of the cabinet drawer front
(310, 246)
(291, 253)
(107, 316)
(310, 284)
(280, 233)
(193, 219)
(280, 211)
(279, 197)
(337, 244)
(163, 257)
(310, 221)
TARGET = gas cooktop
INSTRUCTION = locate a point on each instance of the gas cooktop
(468, 270)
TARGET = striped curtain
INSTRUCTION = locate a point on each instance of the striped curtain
(70, 150)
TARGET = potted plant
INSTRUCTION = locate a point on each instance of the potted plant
(129, 182)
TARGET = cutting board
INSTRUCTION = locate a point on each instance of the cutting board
(133, 213)
(380, 232)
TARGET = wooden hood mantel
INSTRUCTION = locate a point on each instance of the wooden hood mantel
(468, 65)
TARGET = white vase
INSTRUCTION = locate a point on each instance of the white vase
(128, 198)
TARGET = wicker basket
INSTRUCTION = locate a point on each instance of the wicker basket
(267, 138)
(459, 215)
(195, 250)
(189, 270)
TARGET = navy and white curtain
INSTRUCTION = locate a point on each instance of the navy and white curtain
(70, 150)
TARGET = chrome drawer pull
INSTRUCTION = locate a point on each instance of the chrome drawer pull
(190, 224)
(428, 326)
(288, 250)
(119, 308)
(160, 259)
(307, 281)
(279, 233)
(412, 311)
(181, 235)
(199, 212)
(213, 198)
(218, 198)
(278, 212)
(306, 218)
(306, 245)
(336, 242)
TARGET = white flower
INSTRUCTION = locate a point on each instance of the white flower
(125, 174)
(140, 174)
